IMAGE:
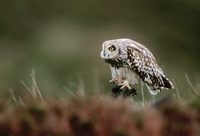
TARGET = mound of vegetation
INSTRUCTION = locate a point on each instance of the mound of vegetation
(98, 116)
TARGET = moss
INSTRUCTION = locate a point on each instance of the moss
(120, 132)
(38, 113)
(81, 127)
(178, 119)
(25, 127)
(5, 129)
(139, 122)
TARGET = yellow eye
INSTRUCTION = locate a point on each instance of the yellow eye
(112, 48)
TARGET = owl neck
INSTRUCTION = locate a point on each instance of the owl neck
(117, 63)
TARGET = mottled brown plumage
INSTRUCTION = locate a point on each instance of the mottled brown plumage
(131, 61)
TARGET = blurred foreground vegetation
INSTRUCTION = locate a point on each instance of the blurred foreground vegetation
(99, 116)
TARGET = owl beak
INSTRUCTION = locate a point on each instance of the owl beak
(103, 55)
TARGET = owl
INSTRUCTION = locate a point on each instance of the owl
(131, 62)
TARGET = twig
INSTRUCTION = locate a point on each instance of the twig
(27, 88)
(35, 84)
(13, 96)
(69, 91)
(21, 101)
(142, 89)
(191, 85)
(81, 91)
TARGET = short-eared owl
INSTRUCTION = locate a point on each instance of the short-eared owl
(131, 62)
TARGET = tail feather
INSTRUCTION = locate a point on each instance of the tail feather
(167, 83)
(163, 82)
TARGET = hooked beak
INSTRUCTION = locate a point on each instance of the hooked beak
(103, 55)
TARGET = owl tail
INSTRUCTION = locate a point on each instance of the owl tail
(167, 83)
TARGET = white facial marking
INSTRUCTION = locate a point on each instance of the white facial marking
(109, 50)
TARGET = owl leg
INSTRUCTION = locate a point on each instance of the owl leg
(117, 80)
(124, 84)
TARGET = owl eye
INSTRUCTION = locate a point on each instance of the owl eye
(112, 48)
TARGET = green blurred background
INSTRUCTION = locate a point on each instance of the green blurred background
(61, 40)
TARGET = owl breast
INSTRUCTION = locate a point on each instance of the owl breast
(125, 73)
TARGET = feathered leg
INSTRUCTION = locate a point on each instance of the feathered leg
(124, 84)
(117, 80)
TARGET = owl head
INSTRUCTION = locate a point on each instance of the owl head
(113, 49)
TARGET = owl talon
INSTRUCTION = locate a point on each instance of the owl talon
(125, 84)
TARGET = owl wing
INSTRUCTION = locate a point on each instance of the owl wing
(140, 48)
(143, 63)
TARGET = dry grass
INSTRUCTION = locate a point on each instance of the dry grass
(98, 115)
